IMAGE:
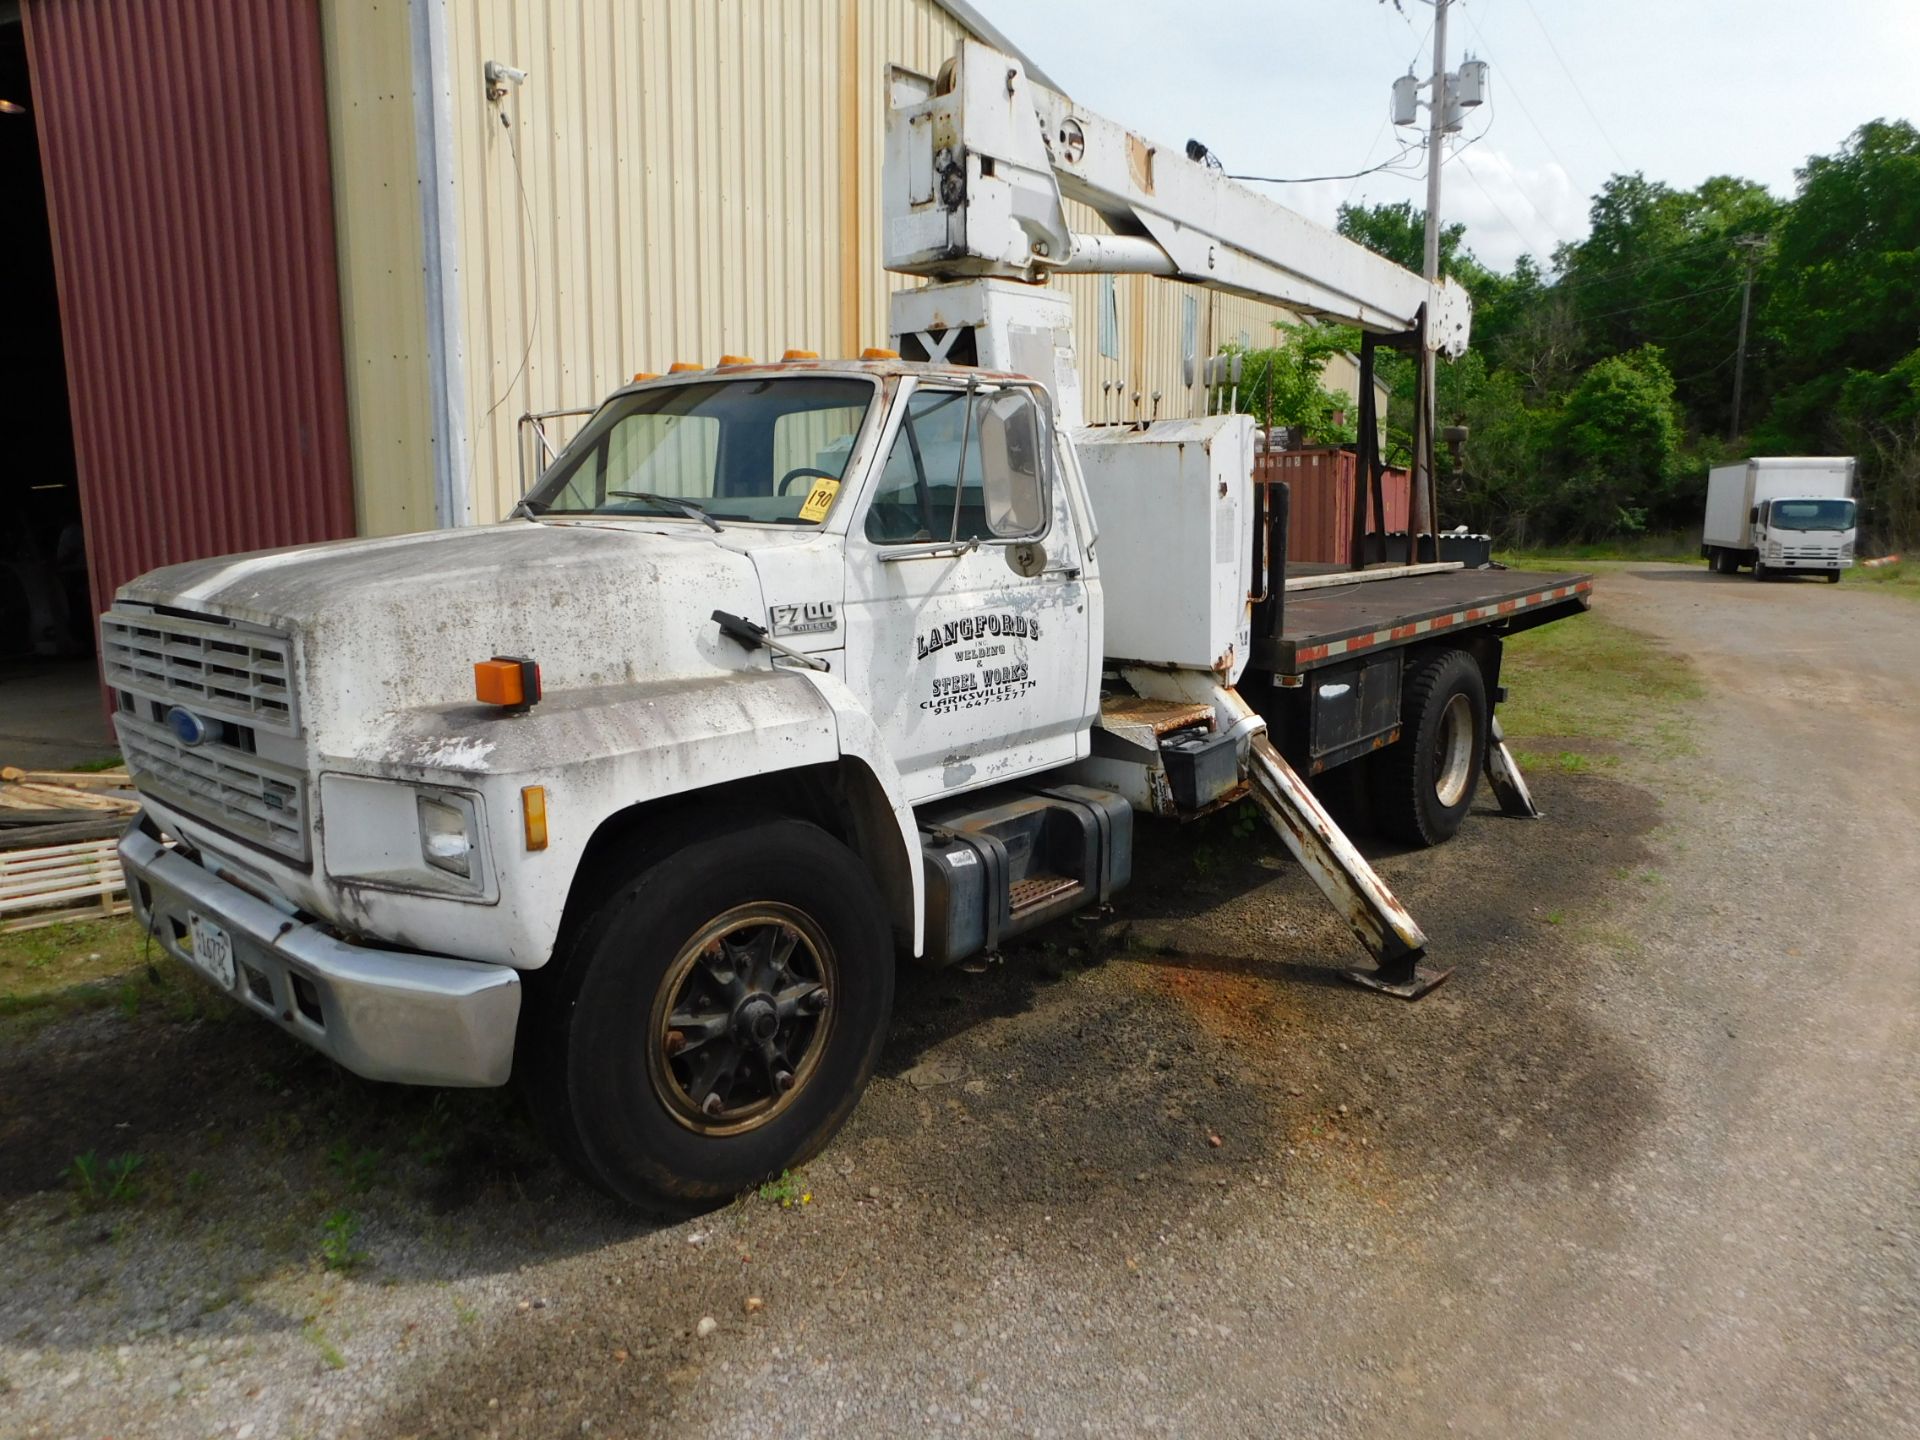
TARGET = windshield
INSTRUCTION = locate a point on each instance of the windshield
(770, 450)
(1811, 515)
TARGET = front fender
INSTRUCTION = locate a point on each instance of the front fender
(598, 751)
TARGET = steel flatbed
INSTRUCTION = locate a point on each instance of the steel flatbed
(1322, 626)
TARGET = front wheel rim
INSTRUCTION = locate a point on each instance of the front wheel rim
(1454, 751)
(741, 1019)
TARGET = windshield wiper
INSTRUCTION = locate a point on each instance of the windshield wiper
(685, 507)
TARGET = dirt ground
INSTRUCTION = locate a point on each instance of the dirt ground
(1646, 1167)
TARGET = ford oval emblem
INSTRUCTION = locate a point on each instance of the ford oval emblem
(189, 727)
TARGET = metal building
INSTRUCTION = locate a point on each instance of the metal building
(314, 264)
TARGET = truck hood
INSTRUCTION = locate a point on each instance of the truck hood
(388, 625)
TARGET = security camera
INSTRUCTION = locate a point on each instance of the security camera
(498, 75)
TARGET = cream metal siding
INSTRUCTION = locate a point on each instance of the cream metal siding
(376, 217)
(693, 178)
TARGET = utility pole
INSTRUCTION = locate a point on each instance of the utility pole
(1751, 244)
(1437, 118)
(1423, 516)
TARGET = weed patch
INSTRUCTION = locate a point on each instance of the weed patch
(102, 1185)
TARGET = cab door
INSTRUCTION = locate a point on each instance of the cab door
(968, 632)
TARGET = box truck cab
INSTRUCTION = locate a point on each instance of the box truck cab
(1780, 515)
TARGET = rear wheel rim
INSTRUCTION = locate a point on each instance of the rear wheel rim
(742, 1018)
(1453, 751)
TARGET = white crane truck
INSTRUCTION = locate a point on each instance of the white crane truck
(784, 671)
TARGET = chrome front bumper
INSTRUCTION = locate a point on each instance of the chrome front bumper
(384, 1014)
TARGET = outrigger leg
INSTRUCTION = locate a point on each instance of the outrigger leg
(1503, 774)
(1377, 918)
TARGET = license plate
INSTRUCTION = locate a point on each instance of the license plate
(211, 950)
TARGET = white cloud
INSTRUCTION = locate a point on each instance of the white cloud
(1510, 209)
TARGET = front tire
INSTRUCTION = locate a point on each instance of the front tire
(1833, 577)
(1423, 786)
(715, 1018)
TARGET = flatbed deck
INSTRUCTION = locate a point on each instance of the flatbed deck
(1321, 627)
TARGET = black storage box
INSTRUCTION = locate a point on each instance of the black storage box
(1201, 767)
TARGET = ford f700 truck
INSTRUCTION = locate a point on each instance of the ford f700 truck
(783, 672)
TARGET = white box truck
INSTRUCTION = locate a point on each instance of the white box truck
(1780, 514)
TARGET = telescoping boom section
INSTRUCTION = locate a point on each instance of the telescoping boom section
(980, 164)
(982, 160)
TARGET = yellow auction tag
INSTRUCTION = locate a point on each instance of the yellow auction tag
(819, 499)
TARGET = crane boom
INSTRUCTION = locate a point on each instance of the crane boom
(980, 163)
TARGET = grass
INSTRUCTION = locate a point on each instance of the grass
(94, 767)
(338, 1250)
(1899, 578)
(78, 965)
(1678, 549)
(101, 1185)
(1591, 679)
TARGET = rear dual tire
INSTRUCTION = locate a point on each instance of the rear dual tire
(1424, 784)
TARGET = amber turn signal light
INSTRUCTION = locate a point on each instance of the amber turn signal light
(801, 355)
(533, 812)
(736, 360)
(879, 352)
(507, 681)
(680, 367)
(640, 375)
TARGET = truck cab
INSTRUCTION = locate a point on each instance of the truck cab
(1804, 532)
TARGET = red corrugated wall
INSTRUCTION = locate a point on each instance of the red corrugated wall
(1320, 501)
(184, 144)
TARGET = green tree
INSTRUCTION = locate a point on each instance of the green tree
(1287, 383)
(1616, 443)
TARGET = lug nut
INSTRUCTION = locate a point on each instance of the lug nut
(783, 1080)
(816, 1000)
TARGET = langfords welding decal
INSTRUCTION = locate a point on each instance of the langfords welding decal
(990, 684)
(976, 627)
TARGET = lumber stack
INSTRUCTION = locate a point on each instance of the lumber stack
(57, 834)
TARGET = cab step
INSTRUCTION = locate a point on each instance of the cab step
(1003, 861)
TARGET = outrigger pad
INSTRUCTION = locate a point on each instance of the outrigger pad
(1408, 982)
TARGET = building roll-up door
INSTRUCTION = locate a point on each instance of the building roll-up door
(184, 149)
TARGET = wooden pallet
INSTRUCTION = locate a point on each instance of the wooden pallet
(53, 884)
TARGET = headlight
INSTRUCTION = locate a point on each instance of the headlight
(396, 835)
(447, 838)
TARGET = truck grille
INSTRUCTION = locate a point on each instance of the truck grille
(227, 787)
(211, 666)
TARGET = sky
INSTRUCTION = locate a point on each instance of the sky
(1579, 90)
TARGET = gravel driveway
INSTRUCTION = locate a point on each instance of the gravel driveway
(1647, 1166)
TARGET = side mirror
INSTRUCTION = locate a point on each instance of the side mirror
(1753, 516)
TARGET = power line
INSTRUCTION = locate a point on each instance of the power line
(1666, 300)
(1512, 224)
(1314, 179)
(1583, 281)
(1506, 79)
(1594, 114)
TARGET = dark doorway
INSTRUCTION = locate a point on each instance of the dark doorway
(45, 611)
